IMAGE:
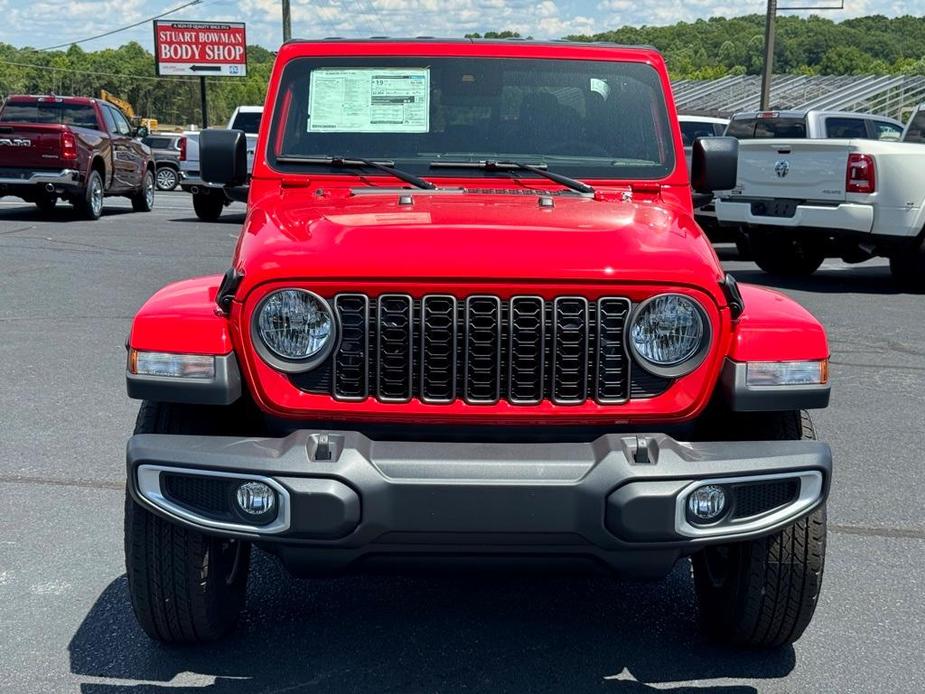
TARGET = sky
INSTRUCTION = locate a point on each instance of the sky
(43, 23)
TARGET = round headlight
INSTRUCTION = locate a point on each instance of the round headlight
(669, 335)
(296, 327)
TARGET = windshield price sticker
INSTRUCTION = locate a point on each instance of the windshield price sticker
(369, 100)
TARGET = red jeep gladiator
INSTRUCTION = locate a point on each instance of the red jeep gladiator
(73, 148)
(470, 320)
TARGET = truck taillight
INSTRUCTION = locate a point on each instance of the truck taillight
(181, 143)
(859, 177)
(68, 145)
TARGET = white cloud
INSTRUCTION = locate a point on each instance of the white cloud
(42, 23)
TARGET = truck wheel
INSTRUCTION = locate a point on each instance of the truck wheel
(763, 593)
(908, 268)
(208, 206)
(185, 586)
(90, 205)
(46, 203)
(743, 245)
(785, 255)
(143, 200)
(167, 178)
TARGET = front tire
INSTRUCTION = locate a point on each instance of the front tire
(208, 206)
(785, 255)
(185, 586)
(763, 593)
(908, 268)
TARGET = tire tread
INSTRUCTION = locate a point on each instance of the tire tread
(774, 583)
(177, 589)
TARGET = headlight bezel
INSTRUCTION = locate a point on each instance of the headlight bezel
(688, 364)
(288, 364)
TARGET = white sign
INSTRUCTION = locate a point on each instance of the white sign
(369, 100)
(202, 49)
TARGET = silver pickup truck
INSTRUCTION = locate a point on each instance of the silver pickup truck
(209, 200)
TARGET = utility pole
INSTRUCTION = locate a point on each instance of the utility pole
(768, 69)
(202, 98)
(287, 22)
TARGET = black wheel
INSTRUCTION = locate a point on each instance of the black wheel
(167, 178)
(143, 199)
(208, 206)
(786, 255)
(763, 593)
(908, 268)
(743, 246)
(90, 204)
(185, 586)
(46, 203)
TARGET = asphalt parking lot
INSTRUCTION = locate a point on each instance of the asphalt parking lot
(68, 290)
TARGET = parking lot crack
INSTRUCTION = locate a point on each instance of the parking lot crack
(17, 230)
(865, 531)
(61, 482)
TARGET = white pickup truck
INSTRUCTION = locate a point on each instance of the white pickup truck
(209, 201)
(800, 200)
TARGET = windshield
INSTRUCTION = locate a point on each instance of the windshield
(248, 121)
(916, 130)
(691, 130)
(751, 128)
(157, 142)
(586, 119)
(78, 115)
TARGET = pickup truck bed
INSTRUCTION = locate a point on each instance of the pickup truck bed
(800, 201)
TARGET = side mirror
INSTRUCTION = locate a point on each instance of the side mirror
(714, 164)
(141, 132)
(223, 156)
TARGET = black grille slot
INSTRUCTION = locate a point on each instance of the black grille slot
(208, 496)
(612, 364)
(755, 498)
(570, 350)
(483, 349)
(527, 349)
(438, 348)
(395, 360)
(352, 358)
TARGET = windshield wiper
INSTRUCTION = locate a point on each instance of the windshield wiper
(539, 169)
(347, 162)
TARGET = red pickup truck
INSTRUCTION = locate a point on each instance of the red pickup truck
(471, 319)
(72, 148)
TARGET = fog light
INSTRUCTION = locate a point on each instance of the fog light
(707, 503)
(255, 498)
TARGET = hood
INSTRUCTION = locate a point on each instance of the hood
(471, 236)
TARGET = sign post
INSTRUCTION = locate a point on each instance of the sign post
(200, 49)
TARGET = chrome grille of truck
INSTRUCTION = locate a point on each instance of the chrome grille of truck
(481, 349)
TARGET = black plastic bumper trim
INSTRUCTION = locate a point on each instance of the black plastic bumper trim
(422, 498)
(741, 398)
(223, 389)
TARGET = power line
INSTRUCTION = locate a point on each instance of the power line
(91, 72)
(125, 28)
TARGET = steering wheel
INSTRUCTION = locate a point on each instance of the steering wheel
(578, 147)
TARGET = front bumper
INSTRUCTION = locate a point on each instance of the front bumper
(839, 217)
(345, 500)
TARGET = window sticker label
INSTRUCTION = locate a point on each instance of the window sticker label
(369, 100)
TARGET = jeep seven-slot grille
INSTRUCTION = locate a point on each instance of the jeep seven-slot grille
(481, 349)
